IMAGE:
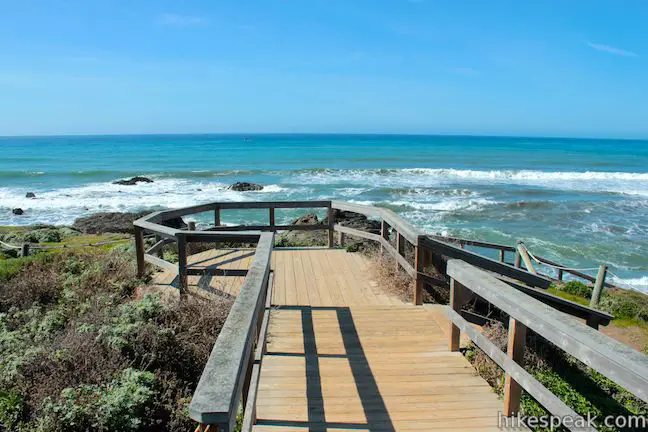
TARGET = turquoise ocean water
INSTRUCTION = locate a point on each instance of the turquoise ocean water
(578, 201)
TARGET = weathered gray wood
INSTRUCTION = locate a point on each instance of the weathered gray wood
(159, 244)
(357, 208)
(314, 227)
(486, 263)
(182, 264)
(515, 351)
(561, 304)
(217, 217)
(387, 246)
(532, 386)
(219, 390)
(161, 230)
(273, 204)
(407, 230)
(331, 226)
(526, 258)
(598, 286)
(454, 335)
(357, 233)
(623, 365)
(501, 255)
(159, 262)
(139, 251)
(419, 266)
(222, 236)
(191, 226)
(271, 216)
(477, 243)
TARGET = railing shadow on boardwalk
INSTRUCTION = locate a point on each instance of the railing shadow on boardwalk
(375, 410)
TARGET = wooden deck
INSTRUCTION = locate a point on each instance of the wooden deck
(342, 355)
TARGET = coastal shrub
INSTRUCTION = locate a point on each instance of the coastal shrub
(580, 387)
(81, 350)
(391, 277)
(625, 304)
(120, 405)
(576, 288)
(352, 247)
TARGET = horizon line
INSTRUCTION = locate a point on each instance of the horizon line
(385, 134)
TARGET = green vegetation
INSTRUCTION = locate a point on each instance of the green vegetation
(581, 388)
(81, 349)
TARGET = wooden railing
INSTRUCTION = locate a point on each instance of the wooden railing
(618, 362)
(154, 223)
(232, 371)
(233, 368)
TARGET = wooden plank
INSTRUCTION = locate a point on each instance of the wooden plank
(515, 352)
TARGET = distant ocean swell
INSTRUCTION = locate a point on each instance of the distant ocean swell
(589, 216)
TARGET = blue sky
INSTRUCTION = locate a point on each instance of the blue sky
(566, 68)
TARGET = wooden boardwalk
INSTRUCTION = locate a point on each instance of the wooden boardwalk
(344, 355)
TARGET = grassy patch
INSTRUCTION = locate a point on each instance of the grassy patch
(568, 296)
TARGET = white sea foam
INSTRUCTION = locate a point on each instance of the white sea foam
(62, 206)
(594, 181)
(639, 284)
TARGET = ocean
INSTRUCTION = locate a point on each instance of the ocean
(580, 202)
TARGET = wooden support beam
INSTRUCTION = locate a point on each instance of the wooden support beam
(331, 226)
(400, 246)
(341, 238)
(419, 266)
(501, 255)
(271, 217)
(455, 304)
(24, 250)
(598, 286)
(525, 257)
(191, 226)
(139, 251)
(217, 217)
(515, 352)
(182, 264)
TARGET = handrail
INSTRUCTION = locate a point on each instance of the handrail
(615, 360)
(223, 381)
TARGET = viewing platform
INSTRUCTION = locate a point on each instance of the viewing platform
(314, 343)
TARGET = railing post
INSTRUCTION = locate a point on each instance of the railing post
(139, 251)
(217, 216)
(160, 252)
(515, 351)
(400, 243)
(501, 255)
(24, 250)
(419, 266)
(522, 251)
(384, 233)
(331, 225)
(271, 217)
(560, 274)
(341, 238)
(182, 263)
(455, 303)
(191, 226)
(598, 286)
(518, 259)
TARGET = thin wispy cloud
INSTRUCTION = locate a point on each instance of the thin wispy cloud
(176, 20)
(612, 50)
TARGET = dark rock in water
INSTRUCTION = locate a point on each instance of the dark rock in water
(177, 223)
(245, 187)
(309, 219)
(133, 181)
(17, 211)
(109, 222)
(30, 195)
(355, 220)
